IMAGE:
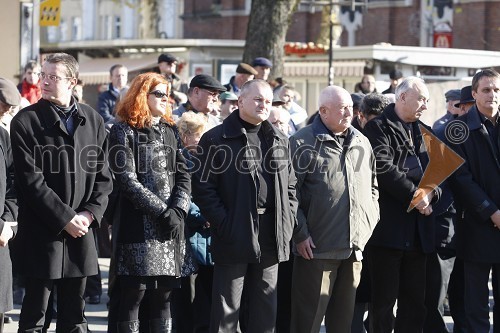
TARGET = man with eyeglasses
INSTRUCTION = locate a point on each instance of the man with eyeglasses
(63, 183)
(203, 97)
(403, 238)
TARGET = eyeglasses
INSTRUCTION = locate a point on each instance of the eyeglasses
(158, 94)
(213, 94)
(53, 78)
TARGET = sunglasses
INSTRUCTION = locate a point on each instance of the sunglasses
(158, 94)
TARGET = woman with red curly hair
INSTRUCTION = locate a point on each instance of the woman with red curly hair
(154, 185)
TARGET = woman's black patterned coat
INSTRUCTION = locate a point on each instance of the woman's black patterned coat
(152, 176)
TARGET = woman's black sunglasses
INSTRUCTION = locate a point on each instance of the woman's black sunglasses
(158, 94)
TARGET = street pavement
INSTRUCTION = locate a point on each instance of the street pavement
(97, 315)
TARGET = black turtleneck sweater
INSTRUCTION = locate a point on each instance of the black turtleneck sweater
(261, 162)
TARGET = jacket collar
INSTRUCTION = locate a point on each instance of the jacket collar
(322, 133)
(232, 127)
(393, 119)
(473, 119)
(396, 123)
(51, 117)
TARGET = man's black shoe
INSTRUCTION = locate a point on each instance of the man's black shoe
(96, 299)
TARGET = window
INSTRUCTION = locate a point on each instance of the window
(76, 28)
(117, 31)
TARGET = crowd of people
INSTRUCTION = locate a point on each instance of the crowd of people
(233, 209)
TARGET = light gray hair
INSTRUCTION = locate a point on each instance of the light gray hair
(407, 84)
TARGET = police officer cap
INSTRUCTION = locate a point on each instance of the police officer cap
(356, 99)
(206, 82)
(452, 95)
(8, 93)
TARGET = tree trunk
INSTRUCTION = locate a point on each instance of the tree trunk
(266, 33)
(148, 26)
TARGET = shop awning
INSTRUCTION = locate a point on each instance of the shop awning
(343, 68)
(96, 71)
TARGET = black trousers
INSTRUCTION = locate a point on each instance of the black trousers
(260, 281)
(94, 282)
(397, 275)
(70, 305)
(438, 277)
(456, 297)
(284, 287)
(476, 297)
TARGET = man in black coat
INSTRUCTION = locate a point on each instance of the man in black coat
(476, 187)
(401, 240)
(245, 187)
(63, 182)
(9, 98)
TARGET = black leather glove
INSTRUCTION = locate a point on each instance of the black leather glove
(171, 222)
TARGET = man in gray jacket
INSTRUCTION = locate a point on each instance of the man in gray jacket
(338, 209)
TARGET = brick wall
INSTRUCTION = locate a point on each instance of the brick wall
(476, 25)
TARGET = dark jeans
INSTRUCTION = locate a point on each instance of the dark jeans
(397, 275)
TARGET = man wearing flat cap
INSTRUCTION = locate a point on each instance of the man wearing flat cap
(9, 98)
(10, 101)
(203, 94)
(396, 77)
(167, 64)
(452, 97)
(244, 73)
(263, 67)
